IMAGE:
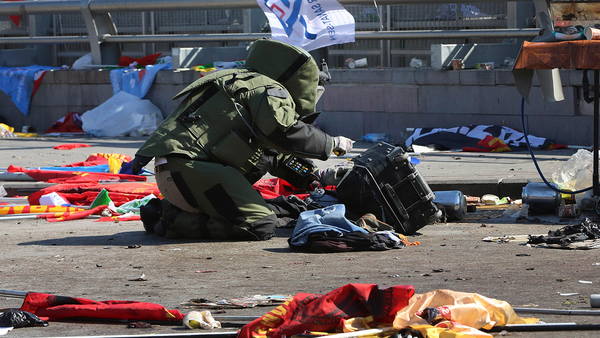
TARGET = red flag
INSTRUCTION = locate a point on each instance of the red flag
(15, 18)
(51, 307)
(325, 312)
(37, 79)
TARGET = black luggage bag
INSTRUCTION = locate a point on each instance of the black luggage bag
(384, 182)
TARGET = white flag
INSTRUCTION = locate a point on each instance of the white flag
(309, 24)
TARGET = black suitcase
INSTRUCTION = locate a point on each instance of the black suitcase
(384, 182)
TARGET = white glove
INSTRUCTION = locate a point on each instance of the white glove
(342, 145)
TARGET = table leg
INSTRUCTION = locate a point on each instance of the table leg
(595, 185)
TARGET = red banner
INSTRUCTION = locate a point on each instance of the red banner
(51, 307)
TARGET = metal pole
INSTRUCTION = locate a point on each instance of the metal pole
(166, 335)
(546, 327)
(383, 35)
(391, 35)
(107, 6)
(558, 311)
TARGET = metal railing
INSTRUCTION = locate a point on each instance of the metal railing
(104, 41)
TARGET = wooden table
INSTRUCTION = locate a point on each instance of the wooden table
(576, 54)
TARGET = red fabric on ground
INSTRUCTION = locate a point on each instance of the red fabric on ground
(323, 313)
(69, 146)
(489, 144)
(84, 194)
(70, 123)
(51, 307)
(56, 176)
(99, 159)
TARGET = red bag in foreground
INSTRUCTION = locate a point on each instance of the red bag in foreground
(51, 307)
(307, 311)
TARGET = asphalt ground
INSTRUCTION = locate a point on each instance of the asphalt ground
(104, 261)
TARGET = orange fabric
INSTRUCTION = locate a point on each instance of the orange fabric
(577, 54)
(458, 312)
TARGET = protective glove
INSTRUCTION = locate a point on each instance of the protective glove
(126, 168)
(135, 166)
(332, 176)
(342, 145)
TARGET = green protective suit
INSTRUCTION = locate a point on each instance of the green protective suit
(234, 126)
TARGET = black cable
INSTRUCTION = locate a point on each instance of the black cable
(535, 161)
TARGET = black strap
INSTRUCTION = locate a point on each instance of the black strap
(586, 87)
(184, 188)
(293, 68)
(186, 115)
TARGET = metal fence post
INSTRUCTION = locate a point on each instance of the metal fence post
(99, 24)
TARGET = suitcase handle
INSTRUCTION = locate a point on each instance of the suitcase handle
(393, 197)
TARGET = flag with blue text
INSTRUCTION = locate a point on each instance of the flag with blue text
(309, 24)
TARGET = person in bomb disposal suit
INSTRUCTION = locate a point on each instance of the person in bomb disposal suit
(232, 128)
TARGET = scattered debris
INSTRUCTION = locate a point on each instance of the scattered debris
(237, 303)
(139, 325)
(139, 279)
(568, 294)
(585, 235)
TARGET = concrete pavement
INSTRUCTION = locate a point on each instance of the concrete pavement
(104, 260)
(502, 174)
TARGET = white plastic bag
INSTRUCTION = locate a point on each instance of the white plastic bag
(576, 173)
(134, 206)
(82, 61)
(416, 63)
(53, 199)
(122, 115)
(200, 320)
